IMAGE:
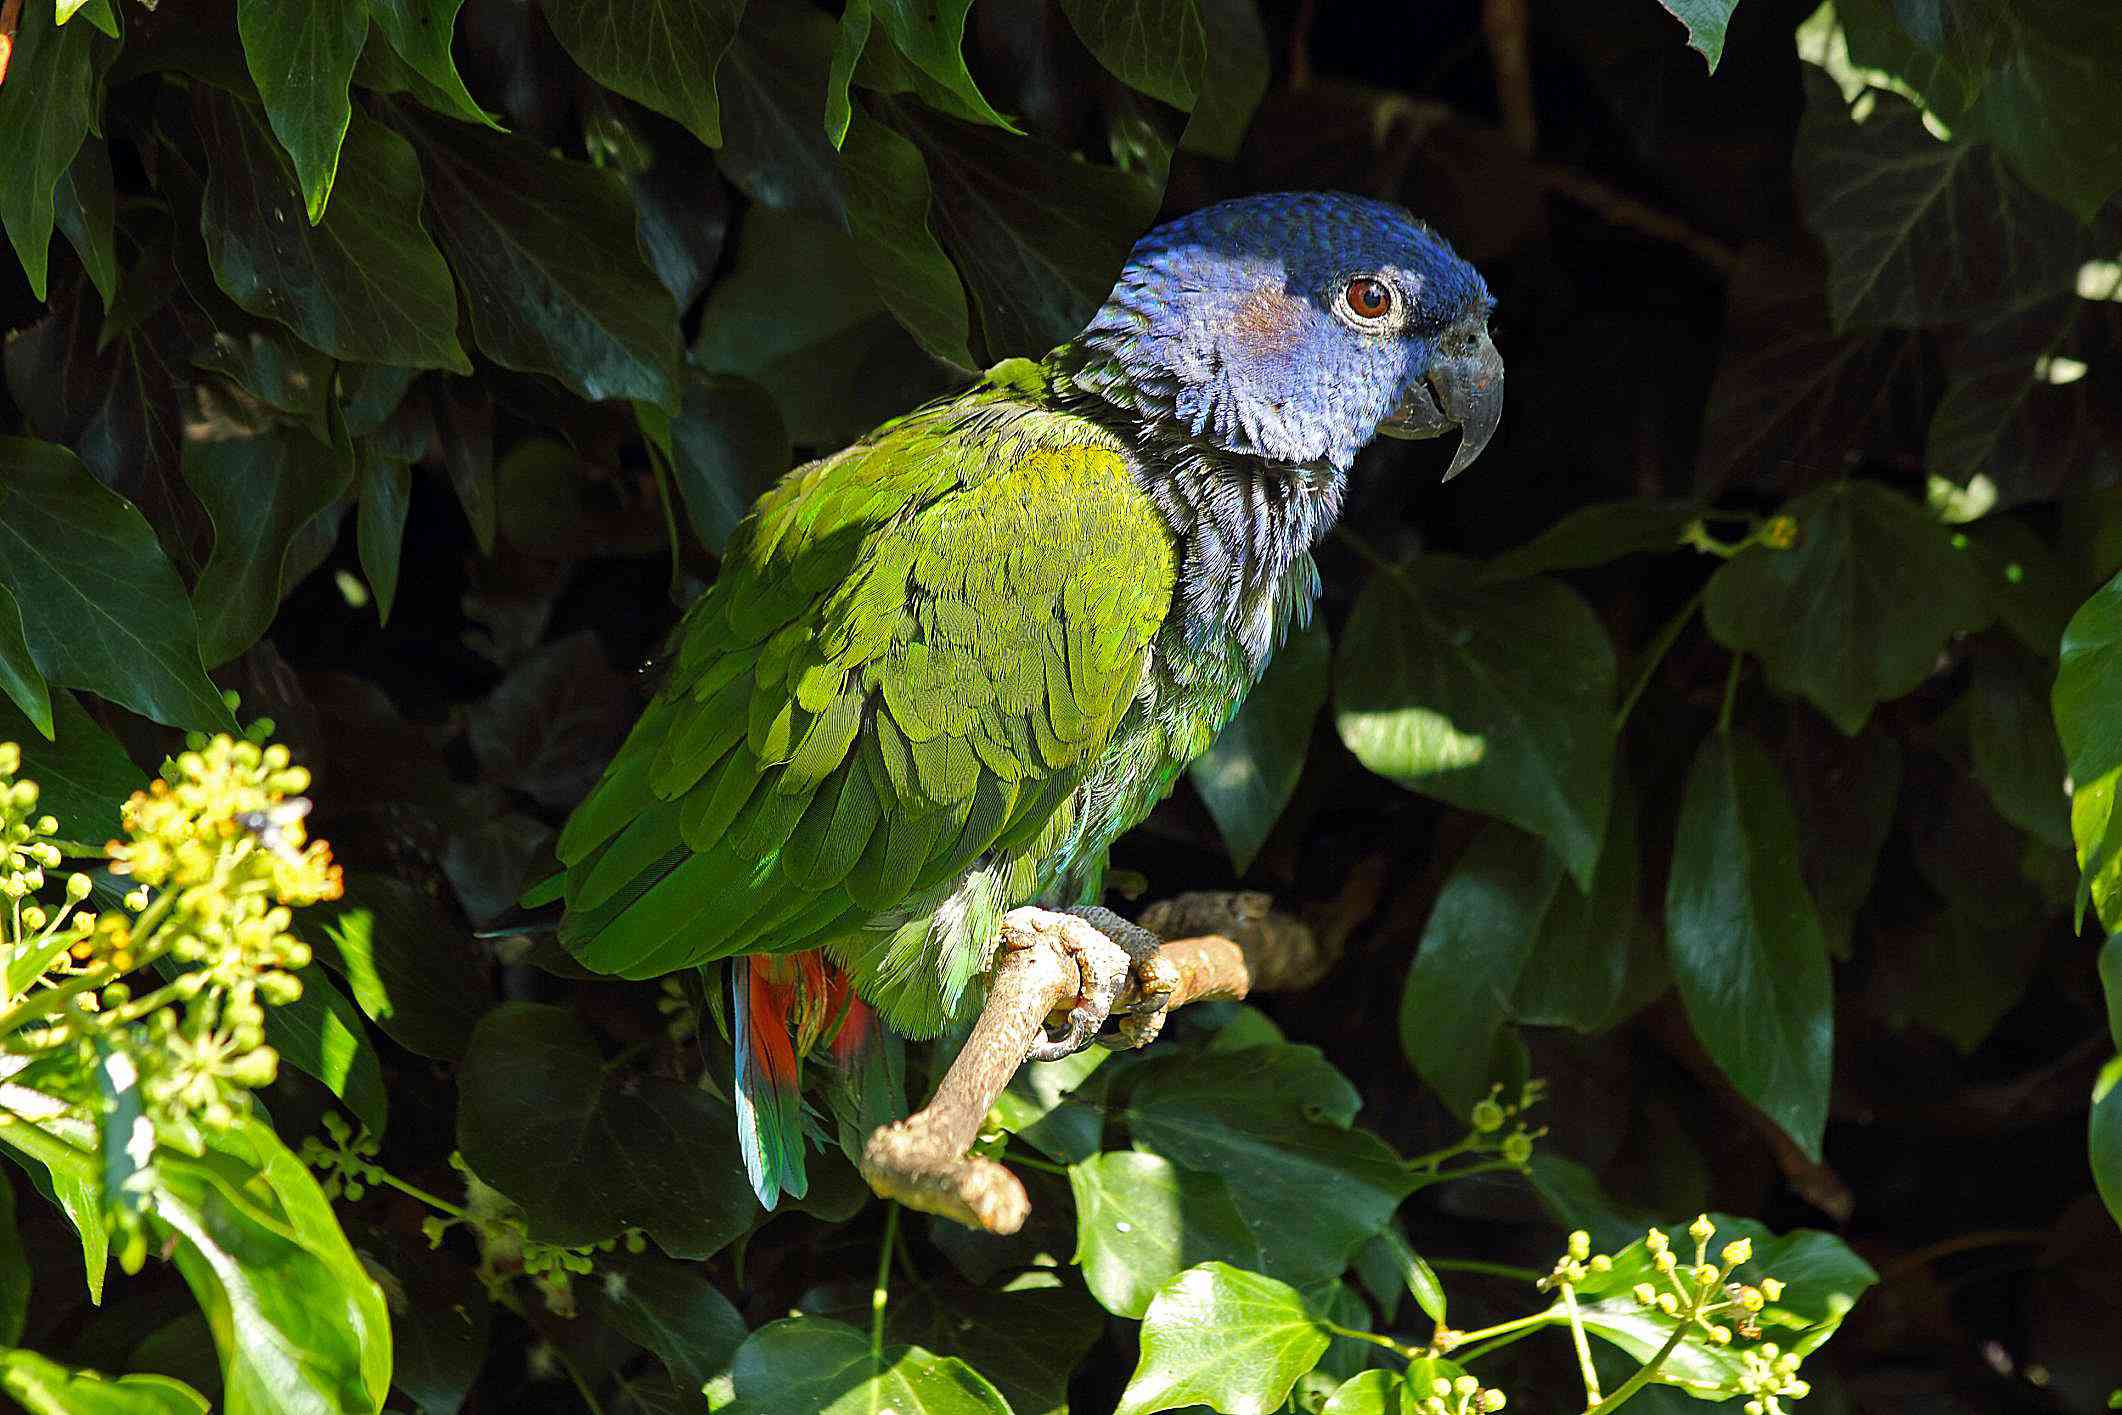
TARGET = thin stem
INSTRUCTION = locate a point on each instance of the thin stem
(1962, 1243)
(1485, 1167)
(1655, 655)
(1369, 554)
(53, 998)
(880, 1293)
(57, 1155)
(1544, 1318)
(416, 1192)
(670, 515)
(1583, 1345)
(1400, 1349)
(1434, 1158)
(1028, 1162)
(1731, 694)
(80, 850)
(1467, 1358)
(1642, 1378)
(582, 1389)
(1476, 1265)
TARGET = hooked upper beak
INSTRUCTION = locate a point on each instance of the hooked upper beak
(1463, 389)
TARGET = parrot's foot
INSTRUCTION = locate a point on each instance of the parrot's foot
(1120, 973)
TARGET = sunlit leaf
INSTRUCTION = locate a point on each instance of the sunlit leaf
(807, 1366)
(2104, 1136)
(410, 969)
(1142, 1220)
(47, 1388)
(302, 58)
(1223, 1337)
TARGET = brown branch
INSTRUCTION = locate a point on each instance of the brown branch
(1624, 210)
(1504, 22)
(921, 1161)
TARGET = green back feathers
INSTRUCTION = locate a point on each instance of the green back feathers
(915, 650)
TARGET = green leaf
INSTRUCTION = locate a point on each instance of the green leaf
(670, 1309)
(47, 1388)
(1455, 1011)
(412, 971)
(660, 53)
(2097, 827)
(1857, 612)
(19, 678)
(588, 1151)
(1028, 1339)
(420, 30)
(1219, 1336)
(103, 607)
(2087, 700)
(848, 43)
(1438, 685)
(1390, 1267)
(2047, 105)
(1039, 1106)
(386, 498)
(1597, 535)
(83, 774)
(2104, 1136)
(807, 1366)
(931, 33)
(546, 254)
(14, 1271)
(1234, 81)
(727, 446)
(46, 109)
(1920, 231)
(1822, 1281)
(2017, 756)
(85, 207)
(366, 284)
(441, 1317)
(1376, 1393)
(1745, 942)
(1706, 21)
(260, 491)
(1596, 958)
(1273, 1122)
(1038, 234)
(299, 1323)
(1157, 46)
(888, 215)
(1142, 1220)
(2111, 985)
(302, 58)
(320, 1033)
(1248, 775)
(775, 82)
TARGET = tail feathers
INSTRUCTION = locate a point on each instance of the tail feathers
(868, 1084)
(769, 1077)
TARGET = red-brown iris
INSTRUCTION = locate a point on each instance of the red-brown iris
(1368, 298)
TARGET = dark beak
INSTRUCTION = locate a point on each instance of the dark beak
(1463, 389)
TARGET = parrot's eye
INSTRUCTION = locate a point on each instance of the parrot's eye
(1367, 298)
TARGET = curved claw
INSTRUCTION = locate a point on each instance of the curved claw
(1082, 1030)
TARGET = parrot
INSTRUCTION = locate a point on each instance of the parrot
(941, 670)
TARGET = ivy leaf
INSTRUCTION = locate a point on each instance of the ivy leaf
(1856, 613)
(548, 727)
(299, 1322)
(1027, 1339)
(670, 1309)
(19, 678)
(441, 1318)
(420, 31)
(44, 114)
(1390, 1268)
(84, 206)
(2097, 828)
(546, 255)
(727, 446)
(1234, 81)
(1792, 395)
(83, 774)
(1746, 946)
(2046, 105)
(660, 53)
(587, 1151)
(1437, 687)
(1038, 234)
(1595, 958)
(1920, 231)
(931, 33)
(1378, 1393)
(2017, 756)
(2089, 685)
(808, 1366)
(849, 40)
(105, 608)
(363, 283)
(1248, 774)
(47, 1388)
(1142, 1220)
(1455, 1011)
(1597, 535)
(411, 971)
(386, 492)
(888, 214)
(1706, 21)
(320, 1033)
(260, 491)
(1157, 46)
(777, 78)
(2104, 1136)
(1040, 1106)
(1274, 1123)
(1219, 1336)
(302, 58)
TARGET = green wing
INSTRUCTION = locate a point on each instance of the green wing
(914, 651)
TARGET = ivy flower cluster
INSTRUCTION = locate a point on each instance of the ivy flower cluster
(218, 859)
(1463, 1396)
(1703, 1292)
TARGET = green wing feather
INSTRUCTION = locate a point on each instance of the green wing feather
(876, 717)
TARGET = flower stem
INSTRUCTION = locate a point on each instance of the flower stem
(1476, 1265)
(414, 1191)
(1577, 1338)
(1400, 1349)
(1655, 654)
(1643, 1377)
(880, 1292)
(1522, 1324)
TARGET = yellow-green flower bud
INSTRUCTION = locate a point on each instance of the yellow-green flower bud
(1656, 1242)
(1488, 1117)
(1665, 1262)
(1601, 1263)
(34, 918)
(1580, 1245)
(1440, 1387)
(78, 886)
(1702, 1230)
(10, 758)
(1772, 1289)
(1751, 1299)
(1668, 1304)
(1517, 1147)
(1720, 1335)
(1493, 1400)
(1646, 1295)
(1707, 1275)
(1739, 1250)
(1465, 1385)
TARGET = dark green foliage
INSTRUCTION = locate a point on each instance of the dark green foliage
(1736, 748)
